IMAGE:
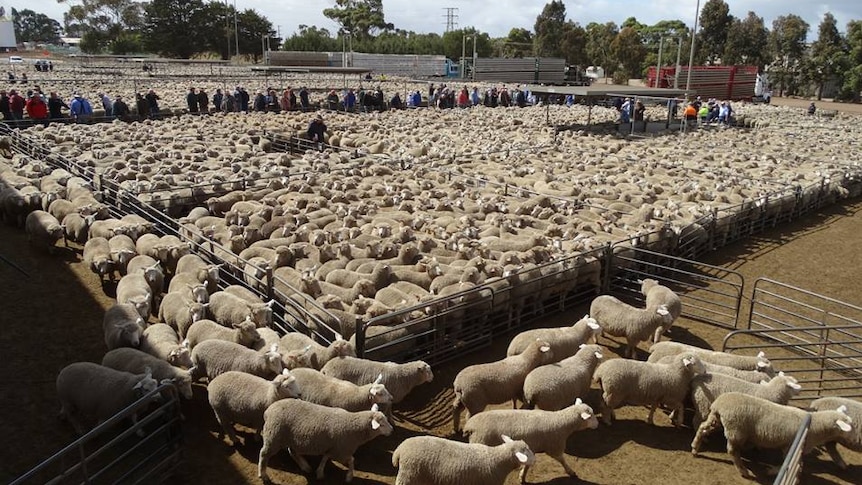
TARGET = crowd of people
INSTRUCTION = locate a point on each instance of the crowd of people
(710, 112)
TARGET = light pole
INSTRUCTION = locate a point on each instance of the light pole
(676, 71)
(658, 63)
(236, 26)
(464, 56)
(691, 54)
(473, 71)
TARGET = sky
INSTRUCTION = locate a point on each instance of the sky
(496, 17)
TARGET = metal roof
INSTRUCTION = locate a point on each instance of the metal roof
(306, 69)
(603, 90)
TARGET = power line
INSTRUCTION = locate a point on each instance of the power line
(451, 18)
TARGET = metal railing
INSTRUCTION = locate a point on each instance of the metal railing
(791, 468)
(115, 451)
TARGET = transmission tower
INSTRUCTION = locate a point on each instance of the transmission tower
(451, 18)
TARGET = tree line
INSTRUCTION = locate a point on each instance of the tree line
(186, 28)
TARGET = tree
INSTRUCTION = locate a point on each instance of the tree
(747, 42)
(253, 28)
(103, 23)
(35, 27)
(519, 43)
(169, 28)
(574, 44)
(360, 18)
(311, 38)
(787, 44)
(628, 51)
(828, 56)
(550, 28)
(852, 85)
(715, 22)
(454, 40)
(598, 47)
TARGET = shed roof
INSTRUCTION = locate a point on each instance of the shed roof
(603, 90)
(306, 69)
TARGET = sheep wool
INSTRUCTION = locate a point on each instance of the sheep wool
(555, 386)
(565, 340)
(707, 387)
(852, 440)
(399, 379)
(623, 320)
(214, 357)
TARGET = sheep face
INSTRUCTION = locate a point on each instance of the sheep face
(286, 386)
(180, 357)
(199, 293)
(520, 451)
(273, 361)
(261, 313)
(379, 423)
(197, 311)
(248, 334)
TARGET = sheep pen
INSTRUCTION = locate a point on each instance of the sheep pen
(77, 295)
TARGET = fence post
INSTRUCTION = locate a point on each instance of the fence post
(609, 261)
(360, 338)
(269, 282)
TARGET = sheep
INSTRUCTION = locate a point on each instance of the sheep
(77, 227)
(707, 387)
(90, 393)
(138, 362)
(429, 459)
(106, 228)
(152, 246)
(180, 313)
(750, 420)
(97, 256)
(363, 287)
(176, 250)
(623, 320)
(306, 428)
(399, 379)
(123, 326)
(134, 289)
(852, 441)
(753, 376)
(204, 273)
(479, 385)
(43, 229)
(644, 383)
(741, 362)
(122, 251)
(243, 333)
(214, 357)
(237, 397)
(346, 278)
(333, 392)
(187, 285)
(543, 431)
(564, 340)
(160, 340)
(244, 293)
(319, 355)
(657, 295)
(555, 386)
(152, 271)
(228, 309)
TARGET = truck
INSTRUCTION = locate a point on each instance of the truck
(734, 83)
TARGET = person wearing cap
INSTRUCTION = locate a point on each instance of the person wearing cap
(106, 102)
(120, 109)
(316, 129)
(80, 109)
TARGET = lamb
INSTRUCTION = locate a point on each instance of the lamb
(138, 362)
(644, 383)
(362, 287)
(97, 255)
(151, 269)
(319, 355)
(741, 362)
(554, 386)
(623, 320)
(43, 229)
(243, 333)
(237, 397)
(753, 376)
(228, 309)
(477, 386)
(853, 440)
(122, 251)
(564, 340)
(707, 387)
(204, 273)
(152, 246)
(160, 340)
(187, 285)
(106, 228)
(306, 428)
(180, 313)
(429, 459)
(346, 278)
(90, 393)
(399, 379)
(134, 289)
(750, 420)
(244, 293)
(657, 295)
(123, 326)
(214, 357)
(77, 227)
(337, 393)
(543, 431)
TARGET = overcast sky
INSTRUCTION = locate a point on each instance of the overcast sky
(498, 16)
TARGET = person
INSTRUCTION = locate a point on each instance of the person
(259, 102)
(625, 111)
(37, 110)
(690, 113)
(80, 109)
(316, 130)
(243, 99)
(303, 98)
(368, 76)
(203, 101)
(192, 100)
(292, 94)
(285, 100)
(639, 111)
(505, 99)
(350, 100)
(332, 100)
(120, 109)
(153, 102)
(142, 105)
(106, 102)
(812, 109)
(4, 106)
(217, 99)
(16, 105)
(228, 104)
(395, 103)
(55, 106)
(702, 113)
(23, 78)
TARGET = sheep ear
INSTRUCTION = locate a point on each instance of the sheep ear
(521, 457)
(376, 424)
(585, 416)
(781, 373)
(338, 336)
(578, 402)
(686, 361)
(599, 355)
(375, 408)
(761, 365)
(842, 409)
(506, 439)
(273, 347)
(544, 348)
(662, 310)
(270, 303)
(794, 386)
(843, 425)
(593, 324)
(285, 372)
(186, 343)
(761, 355)
(379, 379)
(581, 346)
(763, 381)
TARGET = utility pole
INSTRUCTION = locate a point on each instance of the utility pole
(691, 54)
(658, 63)
(451, 17)
(676, 71)
(236, 27)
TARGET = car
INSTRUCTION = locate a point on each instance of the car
(16, 59)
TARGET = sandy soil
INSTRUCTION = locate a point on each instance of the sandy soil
(52, 312)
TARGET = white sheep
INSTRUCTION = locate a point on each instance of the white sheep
(753, 376)
(43, 229)
(122, 251)
(134, 289)
(399, 379)
(306, 428)
(657, 295)
(123, 326)
(758, 362)
(162, 341)
(138, 362)
(438, 461)
(204, 273)
(228, 309)
(237, 397)
(77, 227)
(97, 256)
(333, 392)
(180, 313)
(320, 355)
(623, 320)
(543, 431)
(564, 340)
(90, 393)
(749, 420)
(187, 285)
(625, 381)
(479, 385)
(852, 440)
(707, 387)
(243, 333)
(214, 357)
(152, 271)
(555, 386)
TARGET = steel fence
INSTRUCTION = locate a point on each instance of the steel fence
(791, 468)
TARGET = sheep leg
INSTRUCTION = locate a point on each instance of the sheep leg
(678, 414)
(523, 475)
(832, 449)
(705, 428)
(457, 407)
(262, 460)
(734, 453)
(301, 461)
(608, 415)
(350, 470)
(226, 430)
(561, 459)
(652, 413)
(322, 466)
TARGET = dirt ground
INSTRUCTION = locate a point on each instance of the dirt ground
(52, 308)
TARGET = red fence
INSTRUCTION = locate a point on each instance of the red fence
(720, 82)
